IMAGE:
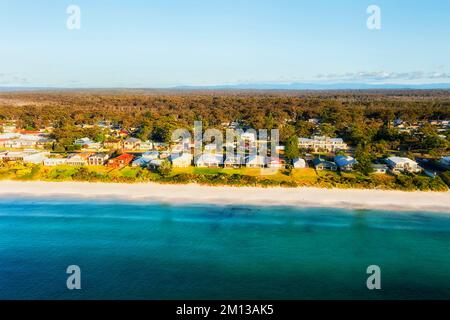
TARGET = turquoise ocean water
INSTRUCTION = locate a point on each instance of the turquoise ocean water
(161, 251)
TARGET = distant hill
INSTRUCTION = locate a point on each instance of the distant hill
(256, 87)
(318, 86)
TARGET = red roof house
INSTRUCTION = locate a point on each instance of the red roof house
(121, 161)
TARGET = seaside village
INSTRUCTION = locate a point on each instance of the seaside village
(121, 149)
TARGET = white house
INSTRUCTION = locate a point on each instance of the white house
(98, 159)
(400, 164)
(27, 156)
(36, 158)
(52, 162)
(319, 143)
(183, 160)
(146, 145)
(299, 163)
(209, 160)
(151, 155)
(78, 159)
(256, 161)
(233, 161)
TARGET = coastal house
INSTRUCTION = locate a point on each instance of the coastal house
(53, 162)
(36, 158)
(208, 160)
(256, 161)
(299, 163)
(321, 164)
(26, 156)
(146, 145)
(155, 163)
(132, 144)
(140, 162)
(98, 159)
(345, 163)
(87, 143)
(401, 164)
(121, 161)
(274, 162)
(322, 143)
(183, 160)
(151, 155)
(233, 161)
(379, 168)
(113, 144)
(78, 159)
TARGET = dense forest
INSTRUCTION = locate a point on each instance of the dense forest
(360, 117)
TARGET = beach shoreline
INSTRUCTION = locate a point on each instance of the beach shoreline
(256, 196)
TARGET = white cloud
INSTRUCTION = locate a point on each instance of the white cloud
(385, 76)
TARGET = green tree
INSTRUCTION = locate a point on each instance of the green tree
(165, 169)
(364, 157)
(292, 150)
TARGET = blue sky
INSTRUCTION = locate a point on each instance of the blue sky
(163, 43)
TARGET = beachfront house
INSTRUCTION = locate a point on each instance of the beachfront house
(155, 163)
(322, 143)
(98, 159)
(401, 164)
(151, 155)
(321, 164)
(256, 161)
(132, 144)
(78, 159)
(208, 160)
(183, 160)
(274, 162)
(140, 162)
(379, 168)
(146, 145)
(113, 144)
(233, 161)
(299, 163)
(121, 161)
(53, 162)
(26, 156)
(345, 163)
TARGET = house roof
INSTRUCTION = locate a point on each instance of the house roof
(343, 161)
(317, 161)
(397, 160)
(124, 156)
(210, 158)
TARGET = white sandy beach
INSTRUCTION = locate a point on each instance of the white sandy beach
(195, 194)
